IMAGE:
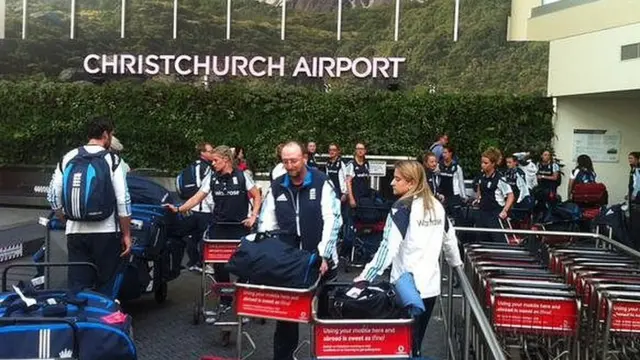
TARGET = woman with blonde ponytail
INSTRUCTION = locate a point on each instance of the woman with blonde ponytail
(416, 231)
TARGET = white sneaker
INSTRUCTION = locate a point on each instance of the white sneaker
(195, 268)
(223, 309)
(208, 269)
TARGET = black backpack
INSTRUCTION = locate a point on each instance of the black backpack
(187, 180)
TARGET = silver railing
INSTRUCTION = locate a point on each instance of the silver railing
(473, 315)
(476, 324)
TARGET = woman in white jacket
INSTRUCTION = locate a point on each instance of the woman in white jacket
(416, 231)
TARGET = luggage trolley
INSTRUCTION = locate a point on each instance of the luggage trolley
(368, 227)
(218, 251)
(214, 251)
(275, 303)
(534, 311)
(359, 338)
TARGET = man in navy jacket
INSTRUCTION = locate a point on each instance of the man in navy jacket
(303, 204)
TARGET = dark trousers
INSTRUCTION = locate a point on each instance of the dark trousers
(545, 199)
(521, 210)
(348, 229)
(634, 224)
(286, 336)
(453, 207)
(194, 246)
(489, 219)
(101, 249)
(420, 325)
(285, 340)
(225, 232)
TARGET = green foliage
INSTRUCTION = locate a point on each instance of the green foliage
(481, 61)
(160, 124)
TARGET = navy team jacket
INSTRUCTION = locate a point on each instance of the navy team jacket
(309, 214)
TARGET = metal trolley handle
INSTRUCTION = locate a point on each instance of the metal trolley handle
(5, 272)
(282, 289)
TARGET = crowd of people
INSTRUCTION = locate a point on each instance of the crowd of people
(313, 206)
(512, 186)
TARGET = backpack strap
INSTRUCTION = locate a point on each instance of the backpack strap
(115, 160)
(205, 169)
(80, 151)
(242, 181)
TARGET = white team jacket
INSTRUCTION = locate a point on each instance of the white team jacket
(412, 242)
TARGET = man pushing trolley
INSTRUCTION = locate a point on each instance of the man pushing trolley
(303, 205)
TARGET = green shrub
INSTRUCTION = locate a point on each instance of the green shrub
(159, 124)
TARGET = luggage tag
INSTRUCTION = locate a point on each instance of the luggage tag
(354, 292)
(116, 318)
(52, 308)
(357, 289)
(137, 224)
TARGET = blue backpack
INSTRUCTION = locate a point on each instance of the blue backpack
(87, 190)
(187, 180)
(585, 177)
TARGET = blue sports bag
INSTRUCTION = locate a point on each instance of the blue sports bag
(83, 325)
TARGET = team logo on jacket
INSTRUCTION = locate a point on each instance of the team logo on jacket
(281, 198)
(430, 222)
(312, 194)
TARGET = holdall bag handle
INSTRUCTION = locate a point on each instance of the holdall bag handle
(69, 296)
(60, 309)
(28, 291)
(270, 234)
(44, 300)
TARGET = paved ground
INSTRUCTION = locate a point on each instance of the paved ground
(11, 216)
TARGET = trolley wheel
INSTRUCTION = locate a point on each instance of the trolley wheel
(160, 294)
(197, 311)
(225, 338)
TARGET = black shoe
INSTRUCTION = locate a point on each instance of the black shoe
(226, 338)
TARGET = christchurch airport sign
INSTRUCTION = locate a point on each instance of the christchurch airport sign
(256, 66)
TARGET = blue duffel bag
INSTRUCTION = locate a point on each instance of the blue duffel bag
(148, 233)
(264, 259)
(85, 325)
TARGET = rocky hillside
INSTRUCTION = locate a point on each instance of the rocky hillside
(312, 5)
(481, 61)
